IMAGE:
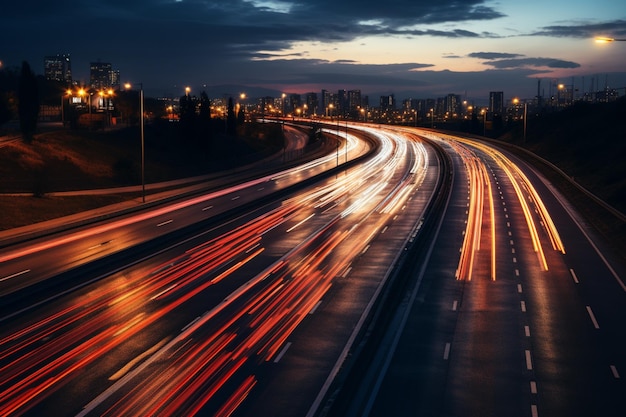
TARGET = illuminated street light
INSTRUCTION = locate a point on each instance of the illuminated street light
(187, 91)
(143, 159)
(608, 40)
(516, 101)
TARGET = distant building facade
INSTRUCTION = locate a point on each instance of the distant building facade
(102, 75)
(496, 103)
(58, 68)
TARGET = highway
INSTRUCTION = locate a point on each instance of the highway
(250, 300)
(527, 321)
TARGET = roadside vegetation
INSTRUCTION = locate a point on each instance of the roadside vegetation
(588, 143)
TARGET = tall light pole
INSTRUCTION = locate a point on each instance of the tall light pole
(143, 159)
(432, 118)
(484, 113)
(516, 102)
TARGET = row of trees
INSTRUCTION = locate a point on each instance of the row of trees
(20, 96)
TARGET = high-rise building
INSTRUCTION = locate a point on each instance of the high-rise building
(329, 98)
(311, 103)
(387, 102)
(100, 75)
(496, 103)
(354, 100)
(58, 68)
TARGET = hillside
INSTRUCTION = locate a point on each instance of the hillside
(587, 141)
(65, 160)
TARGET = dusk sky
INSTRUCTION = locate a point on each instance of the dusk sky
(407, 47)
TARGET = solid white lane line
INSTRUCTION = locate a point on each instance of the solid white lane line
(17, 274)
(614, 372)
(164, 223)
(593, 317)
(299, 223)
(529, 363)
(347, 271)
(282, 352)
(446, 352)
(124, 370)
(571, 271)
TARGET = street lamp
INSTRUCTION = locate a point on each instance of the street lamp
(516, 101)
(484, 113)
(143, 159)
(608, 40)
(432, 118)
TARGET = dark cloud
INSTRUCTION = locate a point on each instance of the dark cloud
(531, 62)
(492, 55)
(588, 30)
(167, 43)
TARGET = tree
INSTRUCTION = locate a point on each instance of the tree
(231, 119)
(5, 109)
(28, 102)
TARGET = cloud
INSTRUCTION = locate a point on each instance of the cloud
(588, 30)
(532, 63)
(492, 55)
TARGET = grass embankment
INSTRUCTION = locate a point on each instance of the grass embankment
(66, 160)
(588, 143)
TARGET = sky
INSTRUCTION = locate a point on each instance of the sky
(410, 48)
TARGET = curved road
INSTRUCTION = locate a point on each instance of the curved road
(248, 300)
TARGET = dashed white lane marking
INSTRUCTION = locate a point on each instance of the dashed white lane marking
(571, 271)
(529, 363)
(614, 372)
(533, 387)
(315, 307)
(164, 223)
(527, 331)
(519, 288)
(282, 352)
(593, 317)
(455, 304)
(533, 410)
(446, 352)
(522, 305)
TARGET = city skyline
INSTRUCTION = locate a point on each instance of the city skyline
(403, 48)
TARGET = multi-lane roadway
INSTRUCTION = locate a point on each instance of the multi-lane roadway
(255, 299)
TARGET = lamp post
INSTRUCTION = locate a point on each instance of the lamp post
(68, 93)
(432, 118)
(143, 159)
(484, 113)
